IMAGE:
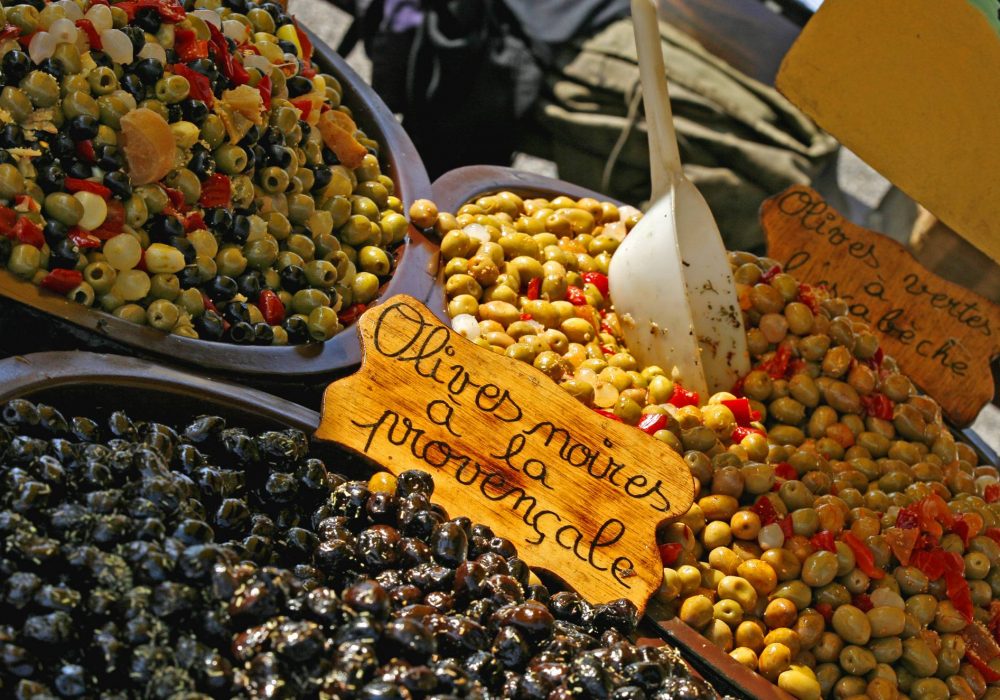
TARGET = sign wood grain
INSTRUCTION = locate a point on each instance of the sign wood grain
(579, 495)
(942, 335)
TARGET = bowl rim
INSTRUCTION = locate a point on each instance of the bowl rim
(414, 274)
(24, 375)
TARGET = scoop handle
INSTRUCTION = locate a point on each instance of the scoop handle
(664, 155)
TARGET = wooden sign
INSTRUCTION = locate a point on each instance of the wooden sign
(942, 335)
(578, 494)
(912, 87)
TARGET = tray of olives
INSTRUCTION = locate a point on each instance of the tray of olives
(164, 533)
(212, 188)
(843, 540)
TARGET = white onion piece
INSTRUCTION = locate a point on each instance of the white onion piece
(210, 16)
(477, 232)
(100, 17)
(64, 31)
(237, 31)
(41, 46)
(151, 49)
(252, 60)
(466, 325)
(71, 9)
(117, 45)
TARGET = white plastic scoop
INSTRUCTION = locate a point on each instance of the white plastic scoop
(670, 279)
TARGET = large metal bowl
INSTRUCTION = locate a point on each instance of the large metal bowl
(36, 319)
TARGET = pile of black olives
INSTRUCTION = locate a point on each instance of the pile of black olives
(143, 560)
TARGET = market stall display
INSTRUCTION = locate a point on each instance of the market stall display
(301, 222)
(829, 489)
(184, 552)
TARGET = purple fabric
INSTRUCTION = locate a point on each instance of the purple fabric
(402, 15)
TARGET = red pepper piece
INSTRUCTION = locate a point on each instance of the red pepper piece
(741, 411)
(991, 494)
(93, 38)
(597, 279)
(188, 46)
(271, 307)
(737, 389)
(740, 433)
(228, 66)
(27, 231)
(176, 198)
(75, 184)
(878, 405)
(931, 562)
(826, 610)
(194, 221)
(264, 88)
(8, 217)
(651, 422)
(304, 43)
(902, 542)
(777, 366)
(85, 149)
(765, 510)
(862, 601)
(62, 281)
(785, 471)
(608, 414)
(84, 239)
(993, 533)
(989, 675)
(304, 105)
(527, 317)
(958, 590)
(787, 528)
(200, 87)
(808, 297)
(682, 397)
(9, 31)
(535, 288)
(908, 518)
(770, 274)
(576, 297)
(670, 553)
(351, 313)
(863, 556)
(208, 303)
(114, 222)
(824, 540)
(170, 12)
(934, 515)
(961, 528)
(216, 191)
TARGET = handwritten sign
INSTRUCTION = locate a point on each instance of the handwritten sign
(579, 494)
(943, 336)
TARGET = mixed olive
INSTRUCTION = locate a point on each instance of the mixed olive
(140, 559)
(187, 168)
(842, 543)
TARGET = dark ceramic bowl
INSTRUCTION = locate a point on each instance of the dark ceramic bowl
(461, 185)
(46, 321)
(94, 385)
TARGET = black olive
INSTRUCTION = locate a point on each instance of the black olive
(51, 178)
(147, 19)
(15, 66)
(83, 127)
(209, 326)
(119, 182)
(222, 288)
(263, 334)
(293, 278)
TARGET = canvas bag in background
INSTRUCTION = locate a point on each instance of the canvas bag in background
(740, 141)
